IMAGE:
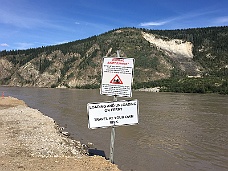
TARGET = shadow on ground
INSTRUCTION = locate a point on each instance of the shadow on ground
(96, 152)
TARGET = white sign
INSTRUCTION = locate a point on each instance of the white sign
(117, 76)
(112, 113)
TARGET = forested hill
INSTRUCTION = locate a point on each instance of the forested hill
(187, 60)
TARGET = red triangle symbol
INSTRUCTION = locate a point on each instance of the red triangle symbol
(116, 80)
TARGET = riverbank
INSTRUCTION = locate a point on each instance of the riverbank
(30, 140)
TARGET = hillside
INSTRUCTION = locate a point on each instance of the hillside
(160, 56)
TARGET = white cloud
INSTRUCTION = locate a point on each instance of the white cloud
(24, 45)
(222, 20)
(190, 17)
(62, 42)
(4, 45)
(153, 23)
(17, 19)
(28, 19)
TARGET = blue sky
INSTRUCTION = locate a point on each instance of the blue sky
(34, 23)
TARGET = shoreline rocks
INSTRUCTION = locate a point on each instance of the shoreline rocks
(27, 133)
(152, 89)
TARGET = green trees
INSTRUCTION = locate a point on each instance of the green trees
(43, 64)
(188, 85)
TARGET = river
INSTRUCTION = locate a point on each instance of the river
(176, 132)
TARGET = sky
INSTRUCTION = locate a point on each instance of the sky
(28, 24)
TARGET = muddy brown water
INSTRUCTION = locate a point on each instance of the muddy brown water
(175, 131)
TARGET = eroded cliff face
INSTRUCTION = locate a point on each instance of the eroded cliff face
(5, 68)
(174, 46)
(53, 70)
(178, 50)
(27, 75)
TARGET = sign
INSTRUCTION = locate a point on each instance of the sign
(117, 76)
(116, 80)
(107, 114)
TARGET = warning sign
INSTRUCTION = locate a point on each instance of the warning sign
(116, 80)
(117, 76)
(107, 114)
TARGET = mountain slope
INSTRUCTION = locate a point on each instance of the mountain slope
(158, 55)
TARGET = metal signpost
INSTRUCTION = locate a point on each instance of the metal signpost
(113, 135)
(117, 78)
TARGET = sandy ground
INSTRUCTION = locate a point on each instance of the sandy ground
(30, 140)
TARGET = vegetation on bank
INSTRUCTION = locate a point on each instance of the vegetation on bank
(188, 85)
(211, 82)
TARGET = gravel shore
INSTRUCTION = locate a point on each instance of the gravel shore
(30, 140)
